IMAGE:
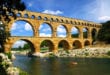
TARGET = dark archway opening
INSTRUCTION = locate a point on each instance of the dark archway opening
(94, 35)
(63, 45)
(77, 44)
(86, 43)
(46, 46)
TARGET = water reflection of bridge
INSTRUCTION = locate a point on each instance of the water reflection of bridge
(36, 19)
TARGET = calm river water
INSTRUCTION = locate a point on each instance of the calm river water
(63, 66)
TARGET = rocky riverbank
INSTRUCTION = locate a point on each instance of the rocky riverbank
(85, 52)
(96, 52)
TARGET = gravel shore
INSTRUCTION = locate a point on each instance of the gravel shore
(85, 52)
(96, 52)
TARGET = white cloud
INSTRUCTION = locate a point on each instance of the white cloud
(41, 26)
(14, 26)
(74, 30)
(61, 35)
(44, 35)
(19, 43)
(61, 29)
(57, 12)
(104, 18)
(28, 27)
(46, 29)
(30, 4)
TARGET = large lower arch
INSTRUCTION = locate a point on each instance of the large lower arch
(77, 44)
(63, 44)
(87, 43)
(31, 45)
(48, 45)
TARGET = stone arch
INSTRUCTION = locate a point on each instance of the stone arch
(78, 23)
(33, 30)
(18, 15)
(75, 22)
(62, 31)
(86, 43)
(26, 16)
(85, 32)
(46, 19)
(33, 17)
(77, 44)
(44, 30)
(64, 45)
(75, 32)
(47, 44)
(66, 21)
(57, 20)
(51, 19)
(71, 22)
(39, 17)
(62, 20)
(31, 45)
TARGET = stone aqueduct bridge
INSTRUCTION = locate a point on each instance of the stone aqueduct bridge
(36, 19)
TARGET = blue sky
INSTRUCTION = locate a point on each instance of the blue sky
(90, 10)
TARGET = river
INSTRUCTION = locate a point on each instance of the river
(63, 66)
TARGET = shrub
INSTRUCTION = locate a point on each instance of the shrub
(108, 53)
(67, 51)
(86, 54)
(9, 55)
(23, 72)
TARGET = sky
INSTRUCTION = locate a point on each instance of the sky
(90, 10)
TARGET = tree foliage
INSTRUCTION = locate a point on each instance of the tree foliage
(104, 32)
(74, 35)
(7, 8)
(26, 46)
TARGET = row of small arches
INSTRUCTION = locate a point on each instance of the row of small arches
(57, 20)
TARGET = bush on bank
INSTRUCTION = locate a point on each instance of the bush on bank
(6, 66)
(108, 53)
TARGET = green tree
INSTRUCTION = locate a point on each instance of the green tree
(26, 46)
(7, 8)
(104, 32)
(19, 48)
(74, 35)
(44, 43)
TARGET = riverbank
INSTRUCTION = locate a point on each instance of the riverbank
(88, 52)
